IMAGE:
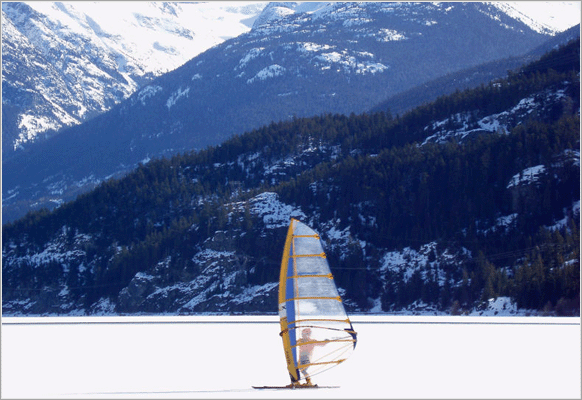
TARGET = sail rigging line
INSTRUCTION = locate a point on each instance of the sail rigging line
(350, 331)
(302, 366)
(318, 362)
(329, 276)
(325, 341)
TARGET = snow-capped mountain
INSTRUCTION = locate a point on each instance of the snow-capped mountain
(63, 63)
(60, 82)
(299, 59)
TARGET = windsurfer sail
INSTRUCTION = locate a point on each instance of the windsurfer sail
(317, 333)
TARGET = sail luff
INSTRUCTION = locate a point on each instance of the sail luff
(284, 263)
(287, 345)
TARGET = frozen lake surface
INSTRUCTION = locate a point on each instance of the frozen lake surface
(222, 357)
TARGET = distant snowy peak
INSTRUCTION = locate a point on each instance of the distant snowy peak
(66, 62)
(543, 17)
(158, 36)
(275, 11)
(514, 12)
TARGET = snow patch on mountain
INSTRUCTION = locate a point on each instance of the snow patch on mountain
(532, 175)
(218, 284)
(370, 68)
(427, 258)
(31, 125)
(147, 92)
(274, 213)
(310, 47)
(269, 72)
(574, 211)
(389, 35)
(336, 238)
(573, 156)
(348, 63)
(350, 22)
(501, 224)
(461, 126)
(254, 292)
(250, 55)
(498, 306)
(63, 250)
(527, 176)
(176, 96)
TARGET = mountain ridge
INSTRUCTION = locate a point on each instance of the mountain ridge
(472, 77)
(284, 68)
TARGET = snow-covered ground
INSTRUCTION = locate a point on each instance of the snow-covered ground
(221, 357)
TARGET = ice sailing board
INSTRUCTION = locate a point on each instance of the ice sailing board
(316, 331)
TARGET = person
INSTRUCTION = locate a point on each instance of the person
(306, 345)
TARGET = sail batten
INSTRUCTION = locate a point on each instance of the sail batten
(329, 276)
(347, 321)
(337, 298)
(316, 331)
(322, 255)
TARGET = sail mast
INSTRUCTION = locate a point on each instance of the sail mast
(283, 304)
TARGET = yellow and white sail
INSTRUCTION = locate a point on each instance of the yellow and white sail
(317, 333)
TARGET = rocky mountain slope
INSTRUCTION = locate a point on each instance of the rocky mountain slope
(298, 60)
(63, 63)
(471, 77)
(458, 202)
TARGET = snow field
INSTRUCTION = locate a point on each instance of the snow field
(160, 39)
(222, 357)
